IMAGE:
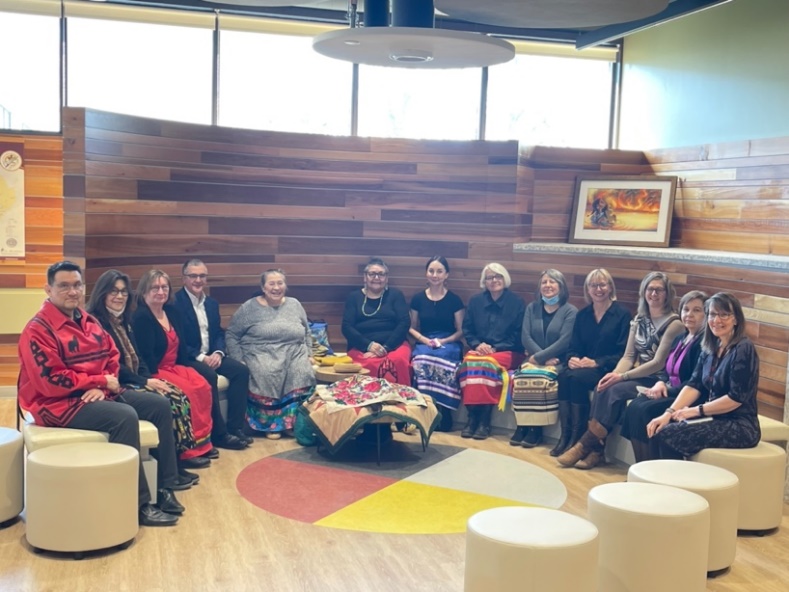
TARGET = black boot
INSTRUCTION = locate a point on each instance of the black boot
(533, 438)
(567, 431)
(445, 423)
(519, 435)
(579, 421)
(472, 422)
(483, 430)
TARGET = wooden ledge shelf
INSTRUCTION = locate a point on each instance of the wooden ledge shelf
(726, 258)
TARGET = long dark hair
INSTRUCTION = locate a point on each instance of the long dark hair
(98, 296)
(726, 303)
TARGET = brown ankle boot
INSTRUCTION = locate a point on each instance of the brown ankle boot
(594, 458)
(583, 447)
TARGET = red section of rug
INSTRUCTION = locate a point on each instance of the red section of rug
(304, 491)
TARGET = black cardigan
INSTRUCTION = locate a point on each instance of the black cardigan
(152, 339)
(126, 376)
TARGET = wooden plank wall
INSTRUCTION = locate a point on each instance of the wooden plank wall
(141, 193)
(43, 163)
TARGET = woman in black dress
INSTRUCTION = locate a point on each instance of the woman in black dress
(725, 382)
(598, 341)
(681, 362)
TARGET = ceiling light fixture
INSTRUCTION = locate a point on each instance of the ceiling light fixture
(411, 41)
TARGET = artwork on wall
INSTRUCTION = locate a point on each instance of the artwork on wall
(623, 210)
(12, 201)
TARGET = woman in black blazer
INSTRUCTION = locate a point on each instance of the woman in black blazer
(157, 326)
(653, 402)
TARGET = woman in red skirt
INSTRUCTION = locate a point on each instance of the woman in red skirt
(156, 324)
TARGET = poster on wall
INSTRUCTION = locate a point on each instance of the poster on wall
(12, 204)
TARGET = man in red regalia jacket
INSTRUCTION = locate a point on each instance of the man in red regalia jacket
(69, 378)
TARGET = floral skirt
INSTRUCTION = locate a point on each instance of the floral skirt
(266, 414)
(435, 372)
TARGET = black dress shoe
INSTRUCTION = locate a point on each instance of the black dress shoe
(167, 502)
(197, 462)
(194, 478)
(245, 438)
(211, 454)
(181, 483)
(230, 442)
(150, 515)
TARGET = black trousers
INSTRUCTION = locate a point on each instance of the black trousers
(575, 384)
(237, 375)
(120, 419)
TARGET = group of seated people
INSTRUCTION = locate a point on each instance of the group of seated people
(104, 367)
(657, 373)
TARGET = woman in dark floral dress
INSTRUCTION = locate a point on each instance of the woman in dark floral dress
(725, 383)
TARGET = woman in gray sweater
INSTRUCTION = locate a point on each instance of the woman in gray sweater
(271, 335)
(547, 328)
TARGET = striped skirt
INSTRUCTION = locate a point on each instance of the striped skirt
(485, 380)
(535, 397)
(435, 373)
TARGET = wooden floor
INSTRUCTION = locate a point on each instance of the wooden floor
(225, 543)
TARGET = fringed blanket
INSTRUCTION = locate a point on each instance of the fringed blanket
(338, 411)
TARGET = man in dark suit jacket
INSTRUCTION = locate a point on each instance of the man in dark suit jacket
(205, 344)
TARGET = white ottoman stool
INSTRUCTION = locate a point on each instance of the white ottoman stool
(718, 486)
(653, 538)
(12, 489)
(82, 497)
(530, 550)
(761, 472)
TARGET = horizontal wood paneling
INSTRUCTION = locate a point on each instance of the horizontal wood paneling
(152, 193)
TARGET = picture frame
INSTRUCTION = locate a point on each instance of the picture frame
(623, 210)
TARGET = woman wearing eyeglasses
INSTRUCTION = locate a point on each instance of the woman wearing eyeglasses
(598, 341)
(157, 325)
(725, 383)
(375, 322)
(109, 303)
(652, 332)
(492, 328)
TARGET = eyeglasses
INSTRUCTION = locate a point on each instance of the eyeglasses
(65, 287)
(723, 316)
(655, 290)
(197, 276)
(598, 286)
(116, 292)
(498, 277)
(164, 288)
(376, 274)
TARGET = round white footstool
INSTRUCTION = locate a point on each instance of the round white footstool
(82, 497)
(11, 476)
(653, 538)
(761, 471)
(716, 485)
(530, 550)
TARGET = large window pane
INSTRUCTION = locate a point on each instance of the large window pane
(277, 82)
(150, 70)
(29, 91)
(550, 101)
(419, 104)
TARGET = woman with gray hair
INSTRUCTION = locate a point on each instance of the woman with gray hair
(375, 322)
(652, 332)
(492, 328)
(270, 334)
(547, 328)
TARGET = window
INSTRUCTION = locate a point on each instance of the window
(139, 68)
(420, 104)
(277, 82)
(550, 101)
(30, 91)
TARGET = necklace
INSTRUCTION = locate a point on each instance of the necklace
(375, 312)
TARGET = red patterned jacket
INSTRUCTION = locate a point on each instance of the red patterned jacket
(61, 359)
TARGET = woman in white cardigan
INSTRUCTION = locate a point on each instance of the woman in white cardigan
(547, 328)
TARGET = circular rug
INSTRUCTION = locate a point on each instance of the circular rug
(410, 492)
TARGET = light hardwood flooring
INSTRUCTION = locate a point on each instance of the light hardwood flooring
(225, 543)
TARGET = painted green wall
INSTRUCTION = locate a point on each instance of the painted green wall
(716, 76)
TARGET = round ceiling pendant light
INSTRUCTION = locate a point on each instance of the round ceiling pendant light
(413, 47)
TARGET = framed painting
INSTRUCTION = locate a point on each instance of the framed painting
(629, 211)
